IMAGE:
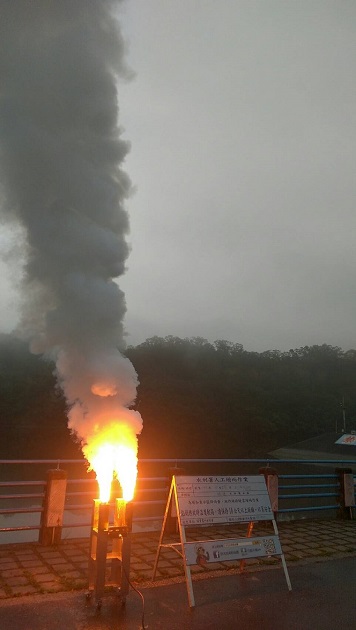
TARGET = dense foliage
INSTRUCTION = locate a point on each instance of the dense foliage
(32, 410)
(197, 399)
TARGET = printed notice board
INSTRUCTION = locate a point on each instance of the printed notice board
(215, 500)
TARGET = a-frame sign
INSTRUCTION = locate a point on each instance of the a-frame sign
(216, 500)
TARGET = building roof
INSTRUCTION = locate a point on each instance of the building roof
(319, 447)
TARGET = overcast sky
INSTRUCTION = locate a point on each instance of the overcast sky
(242, 123)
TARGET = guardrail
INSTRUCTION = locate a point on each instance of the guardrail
(302, 490)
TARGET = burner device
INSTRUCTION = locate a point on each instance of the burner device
(110, 542)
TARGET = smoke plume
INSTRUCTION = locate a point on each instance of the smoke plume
(61, 155)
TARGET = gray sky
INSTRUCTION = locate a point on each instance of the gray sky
(243, 131)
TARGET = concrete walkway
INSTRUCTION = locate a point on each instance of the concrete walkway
(31, 569)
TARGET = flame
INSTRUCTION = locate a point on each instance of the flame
(113, 451)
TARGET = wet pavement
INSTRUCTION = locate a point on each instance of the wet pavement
(30, 568)
(322, 598)
(45, 587)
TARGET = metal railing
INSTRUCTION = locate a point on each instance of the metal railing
(301, 490)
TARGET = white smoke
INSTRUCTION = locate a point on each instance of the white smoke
(61, 154)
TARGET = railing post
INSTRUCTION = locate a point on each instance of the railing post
(172, 520)
(346, 492)
(271, 478)
(53, 508)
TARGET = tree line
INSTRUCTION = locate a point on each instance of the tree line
(197, 399)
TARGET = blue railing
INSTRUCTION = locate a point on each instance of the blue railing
(302, 491)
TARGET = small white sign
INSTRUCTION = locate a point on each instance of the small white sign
(221, 550)
(348, 438)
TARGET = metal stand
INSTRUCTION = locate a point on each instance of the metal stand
(119, 535)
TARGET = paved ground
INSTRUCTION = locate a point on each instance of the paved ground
(29, 568)
(322, 598)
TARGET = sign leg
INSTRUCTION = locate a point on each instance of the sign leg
(249, 534)
(163, 530)
(284, 564)
(188, 575)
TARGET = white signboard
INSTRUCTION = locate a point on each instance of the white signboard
(210, 500)
(220, 550)
(216, 499)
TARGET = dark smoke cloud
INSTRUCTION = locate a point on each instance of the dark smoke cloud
(61, 154)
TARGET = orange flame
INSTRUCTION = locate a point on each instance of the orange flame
(113, 451)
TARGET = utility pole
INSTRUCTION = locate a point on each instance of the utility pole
(343, 415)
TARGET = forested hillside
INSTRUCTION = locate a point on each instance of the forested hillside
(197, 399)
(32, 411)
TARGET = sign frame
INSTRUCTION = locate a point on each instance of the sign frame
(213, 500)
